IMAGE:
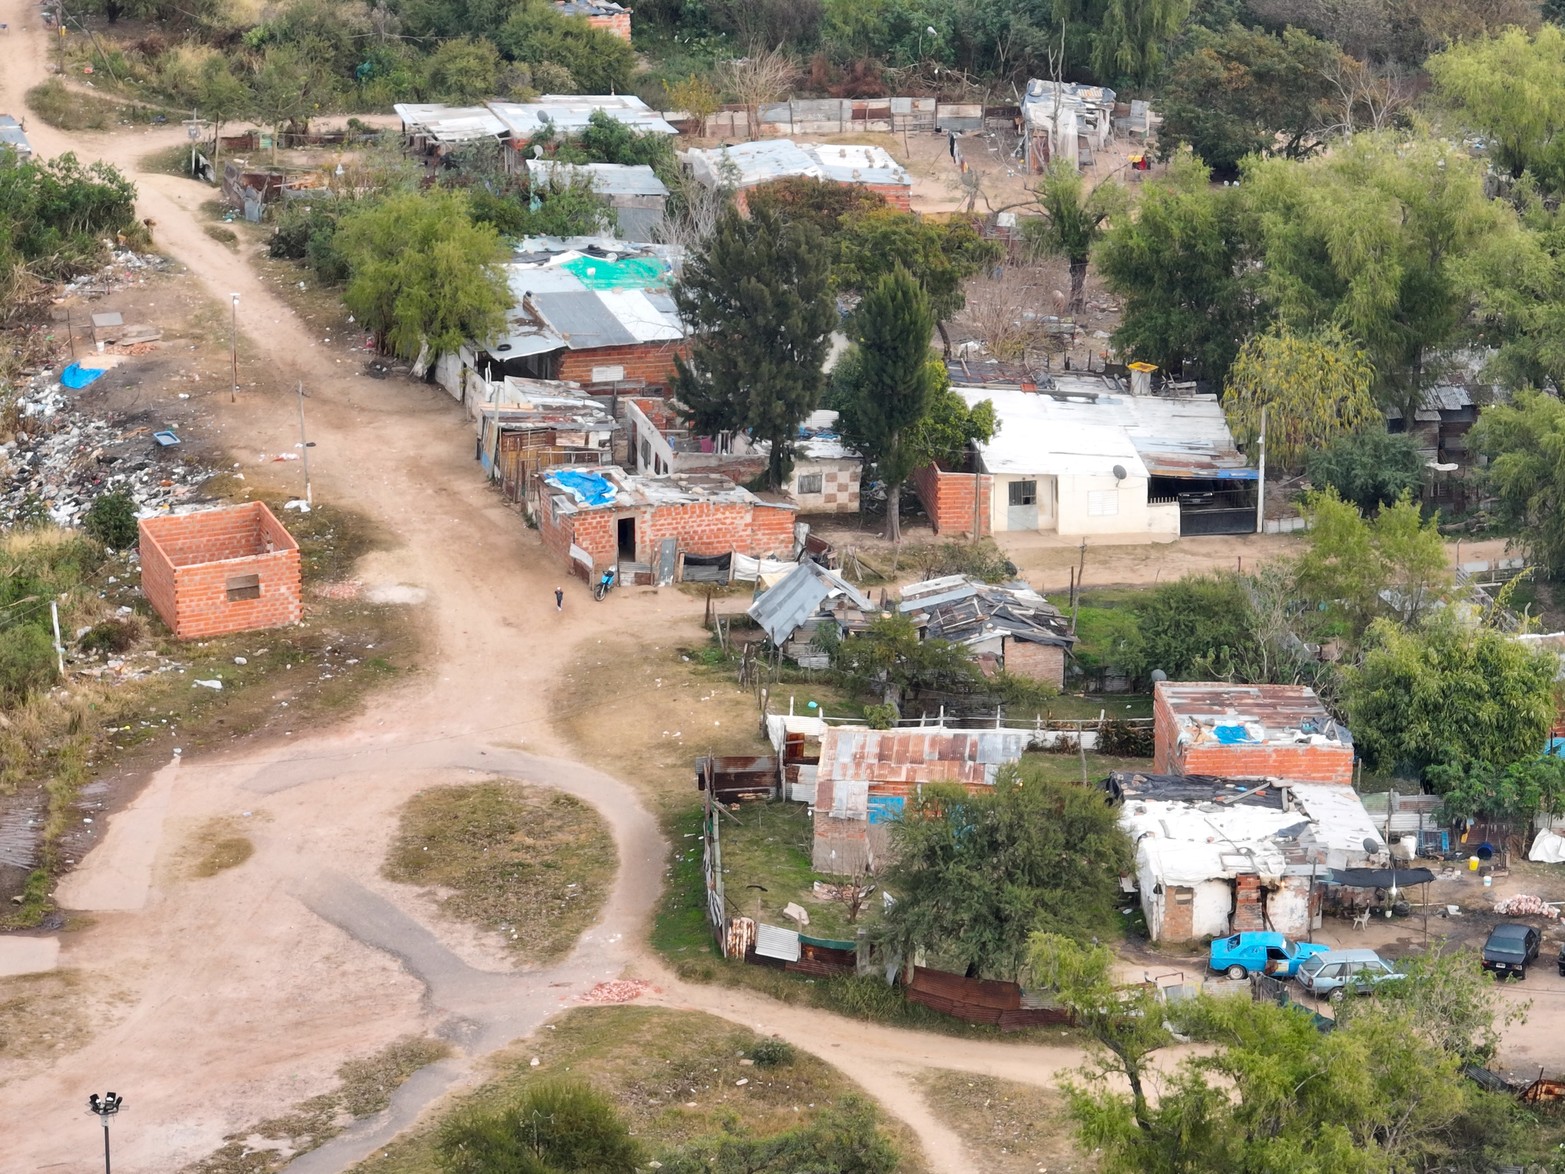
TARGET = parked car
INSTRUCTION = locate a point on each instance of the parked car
(1339, 972)
(1260, 953)
(1511, 945)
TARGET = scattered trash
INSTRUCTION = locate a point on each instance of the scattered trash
(167, 438)
(218, 685)
(297, 503)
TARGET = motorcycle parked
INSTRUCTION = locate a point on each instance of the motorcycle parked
(606, 583)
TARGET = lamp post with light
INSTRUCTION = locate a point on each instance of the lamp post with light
(105, 1107)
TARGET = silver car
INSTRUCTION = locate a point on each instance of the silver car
(1337, 972)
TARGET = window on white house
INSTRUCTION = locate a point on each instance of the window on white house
(1024, 493)
(810, 482)
(1102, 503)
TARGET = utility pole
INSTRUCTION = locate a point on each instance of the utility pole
(1260, 489)
(233, 350)
(304, 450)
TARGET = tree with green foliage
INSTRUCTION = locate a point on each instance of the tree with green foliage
(290, 86)
(890, 658)
(1381, 238)
(516, 203)
(423, 276)
(1071, 221)
(818, 202)
(221, 96)
(559, 1126)
(843, 1138)
(1511, 794)
(597, 61)
(1370, 469)
(462, 70)
(1243, 92)
(55, 215)
(1126, 39)
(111, 519)
(950, 427)
(1511, 88)
(1313, 389)
(941, 254)
(1447, 694)
(696, 97)
(757, 304)
(1525, 444)
(1194, 628)
(974, 875)
(1354, 569)
(894, 379)
(1181, 263)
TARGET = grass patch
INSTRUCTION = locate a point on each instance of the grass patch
(67, 109)
(168, 161)
(365, 1088)
(1018, 1128)
(679, 927)
(769, 844)
(531, 864)
(1087, 707)
(673, 1075)
(223, 236)
(1066, 768)
(221, 847)
(44, 1016)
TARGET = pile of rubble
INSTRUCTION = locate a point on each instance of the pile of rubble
(61, 459)
(1526, 905)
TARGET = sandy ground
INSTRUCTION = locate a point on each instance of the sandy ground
(243, 992)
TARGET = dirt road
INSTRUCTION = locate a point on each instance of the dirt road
(225, 1000)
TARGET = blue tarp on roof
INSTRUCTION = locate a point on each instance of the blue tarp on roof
(76, 377)
(586, 488)
(1231, 735)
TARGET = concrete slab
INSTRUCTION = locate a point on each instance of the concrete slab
(28, 955)
(117, 874)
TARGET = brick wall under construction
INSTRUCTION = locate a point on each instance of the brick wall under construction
(218, 571)
(948, 499)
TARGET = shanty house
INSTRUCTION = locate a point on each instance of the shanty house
(589, 310)
(825, 474)
(600, 14)
(604, 517)
(1216, 856)
(1248, 732)
(743, 166)
(634, 193)
(865, 777)
(792, 610)
(534, 426)
(569, 114)
(1065, 121)
(1012, 626)
(1082, 457)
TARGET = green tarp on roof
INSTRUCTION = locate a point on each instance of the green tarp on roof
(631, 273)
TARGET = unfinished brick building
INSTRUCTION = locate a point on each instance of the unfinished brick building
(947, 498)
(604, 517)
(1248, 732)
(219, 571)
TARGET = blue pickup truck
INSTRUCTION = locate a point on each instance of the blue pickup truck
(1260, 953)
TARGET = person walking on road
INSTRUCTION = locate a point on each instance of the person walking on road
(559, 599)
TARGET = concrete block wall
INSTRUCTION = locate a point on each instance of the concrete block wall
(839, 486)
(190, 560)
(651, 362)
(1036, 662)
(948, 499)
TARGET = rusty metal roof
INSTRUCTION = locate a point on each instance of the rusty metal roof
(933, 754)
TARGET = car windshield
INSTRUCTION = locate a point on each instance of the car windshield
(1313, 963)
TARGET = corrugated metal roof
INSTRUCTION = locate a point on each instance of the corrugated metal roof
(764, 160)
(858, 163)
(581, 319)
(773, 941)
(1085, 426)
(781, 609)
(931, 754)
(553, 308)
(609, 179)
(450, 124)
(569, 114)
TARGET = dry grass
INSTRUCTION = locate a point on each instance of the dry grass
(217, 846)
(632, 707)
(45, 1016)
(223, 236)
(1017, 1128)
(672, 1074)
(365, 1089)
(530, 864)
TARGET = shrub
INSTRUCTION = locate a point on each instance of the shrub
(880, 717)
(558, 1124)
(1120, 739)
(27, 662)
(111, 636)
(772, 1053)
(112, 520)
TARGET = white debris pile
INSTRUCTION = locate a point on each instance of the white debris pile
(1525, 905)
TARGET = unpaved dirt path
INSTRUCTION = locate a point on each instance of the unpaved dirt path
(243, 992)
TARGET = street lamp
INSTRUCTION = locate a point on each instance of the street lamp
(233, 350)
(105, 1107)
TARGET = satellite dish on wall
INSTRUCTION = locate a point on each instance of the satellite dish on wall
(1119, 473)
(1159, 675)
(1372, 845)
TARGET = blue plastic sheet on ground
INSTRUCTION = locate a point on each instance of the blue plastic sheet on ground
(1231, 735)
(76, 377)
(586, 488)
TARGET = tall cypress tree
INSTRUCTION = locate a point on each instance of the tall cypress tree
(756, 301)
(892, 382)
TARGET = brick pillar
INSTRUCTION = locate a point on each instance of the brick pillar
(1247, 904)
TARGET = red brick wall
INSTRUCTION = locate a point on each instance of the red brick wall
(618, 23)
(898, 195)
(948, 499)
(188, 560)
(1309, 764)
(1036, 662)
(652, 362)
